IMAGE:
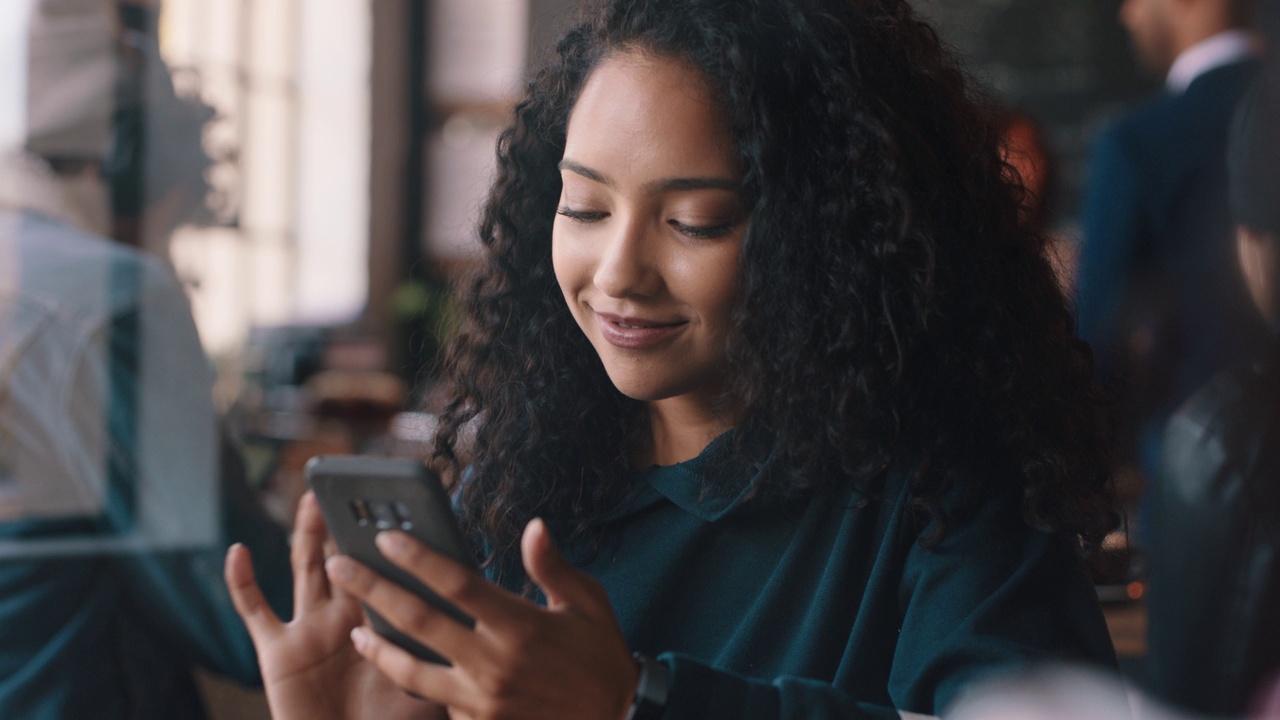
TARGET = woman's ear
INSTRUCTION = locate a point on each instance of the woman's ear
(1259, 254)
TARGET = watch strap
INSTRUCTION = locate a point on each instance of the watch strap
(651, 689)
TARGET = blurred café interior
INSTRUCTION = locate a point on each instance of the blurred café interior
(311, 170)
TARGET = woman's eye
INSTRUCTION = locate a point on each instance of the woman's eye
(583, 216)
(701, 231)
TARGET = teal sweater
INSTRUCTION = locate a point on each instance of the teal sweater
(819, 608)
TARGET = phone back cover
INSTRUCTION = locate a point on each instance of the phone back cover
(338, 481)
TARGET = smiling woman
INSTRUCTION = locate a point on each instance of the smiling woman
(646, 242)
(761, 343)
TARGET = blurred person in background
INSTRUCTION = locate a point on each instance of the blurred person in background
(1214, 601)
(1158, 292)
(156, 168)
(117, 492)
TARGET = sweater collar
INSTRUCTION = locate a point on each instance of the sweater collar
(688, 485)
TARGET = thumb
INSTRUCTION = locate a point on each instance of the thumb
(563, 584)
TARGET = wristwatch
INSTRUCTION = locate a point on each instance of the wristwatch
(651, 690)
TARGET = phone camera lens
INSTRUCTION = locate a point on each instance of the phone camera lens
(403, 517)
(360, 509)
(384, 517)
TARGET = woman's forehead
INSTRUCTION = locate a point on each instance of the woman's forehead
(640, 110)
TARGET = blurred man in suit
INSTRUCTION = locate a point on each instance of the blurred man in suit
(1158, 291)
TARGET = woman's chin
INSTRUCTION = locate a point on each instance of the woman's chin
(641, 393)
(642, 389)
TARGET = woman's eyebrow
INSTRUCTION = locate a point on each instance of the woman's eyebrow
(692, 183)
(585, 172)
(695, 183)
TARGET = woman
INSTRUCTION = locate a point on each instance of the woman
(760, 341)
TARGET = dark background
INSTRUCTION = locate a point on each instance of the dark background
(1066, 63)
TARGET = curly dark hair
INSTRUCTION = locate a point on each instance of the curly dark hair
(891, 305)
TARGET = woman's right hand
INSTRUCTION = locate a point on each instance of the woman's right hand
(310, 668)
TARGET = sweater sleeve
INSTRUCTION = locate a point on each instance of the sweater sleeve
(699, 691)
(993, 597)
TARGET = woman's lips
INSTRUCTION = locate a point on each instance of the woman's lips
(635, 333)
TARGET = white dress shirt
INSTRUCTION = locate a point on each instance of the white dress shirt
(1209, 54)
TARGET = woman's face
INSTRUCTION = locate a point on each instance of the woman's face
(650, 225)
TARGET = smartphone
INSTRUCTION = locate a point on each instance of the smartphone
(362, 496)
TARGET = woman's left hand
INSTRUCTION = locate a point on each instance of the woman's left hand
(568, 659)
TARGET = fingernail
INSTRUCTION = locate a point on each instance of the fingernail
(392, 543)
(340, 569)
(360, 638)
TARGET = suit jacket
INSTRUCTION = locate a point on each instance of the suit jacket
(1158, 269)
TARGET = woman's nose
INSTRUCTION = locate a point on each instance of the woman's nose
(628, 264)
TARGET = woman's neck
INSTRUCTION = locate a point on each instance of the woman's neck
(681, 428)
